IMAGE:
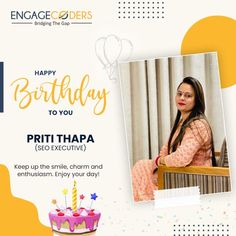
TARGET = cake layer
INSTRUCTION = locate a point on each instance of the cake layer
(78, 229)
(66, 221)
(91, 233)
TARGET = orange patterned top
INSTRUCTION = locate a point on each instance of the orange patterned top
(195, 148)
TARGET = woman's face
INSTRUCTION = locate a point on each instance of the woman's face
(185, 98)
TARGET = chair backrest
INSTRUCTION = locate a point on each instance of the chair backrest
(209, 179)
(223, 161)
(207, 183)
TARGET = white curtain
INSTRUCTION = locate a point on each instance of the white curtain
(148, 89)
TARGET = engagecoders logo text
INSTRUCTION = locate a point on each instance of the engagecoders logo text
(52, 18)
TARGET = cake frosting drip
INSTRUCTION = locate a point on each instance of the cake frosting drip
(82, 215)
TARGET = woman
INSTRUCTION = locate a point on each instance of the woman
(190, 142)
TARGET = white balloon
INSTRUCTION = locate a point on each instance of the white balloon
(99, 49)
(112, 48)
(127, 49)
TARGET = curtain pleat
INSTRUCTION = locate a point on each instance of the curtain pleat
(126, 100)
(163, 96)
(153, 109)
(139, 108)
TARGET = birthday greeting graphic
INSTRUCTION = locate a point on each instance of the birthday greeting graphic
(111, 49)
(74, 219)
(70, 117)
(57, 90)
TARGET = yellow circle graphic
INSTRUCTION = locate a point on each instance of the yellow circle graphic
(215, 34)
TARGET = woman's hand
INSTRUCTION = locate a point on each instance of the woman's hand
(161, 160)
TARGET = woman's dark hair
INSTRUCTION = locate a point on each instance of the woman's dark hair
(196, 114)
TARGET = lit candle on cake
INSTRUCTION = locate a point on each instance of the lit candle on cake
(93, 198)
(65, 192)
(81, 197)
(54, 202)
(74, 198)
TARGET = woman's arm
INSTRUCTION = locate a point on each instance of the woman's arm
(194, 138)
(164, 150)
(163, 153)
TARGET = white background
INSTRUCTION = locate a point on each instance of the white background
(70, 50)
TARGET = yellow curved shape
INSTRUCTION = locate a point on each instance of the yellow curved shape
(215, 33)
(17, 216)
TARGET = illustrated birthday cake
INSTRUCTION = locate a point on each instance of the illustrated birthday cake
(74, 220)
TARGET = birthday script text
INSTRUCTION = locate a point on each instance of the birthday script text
(57, 90)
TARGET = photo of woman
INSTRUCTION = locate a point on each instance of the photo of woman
(190, 142)
(174, 118)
